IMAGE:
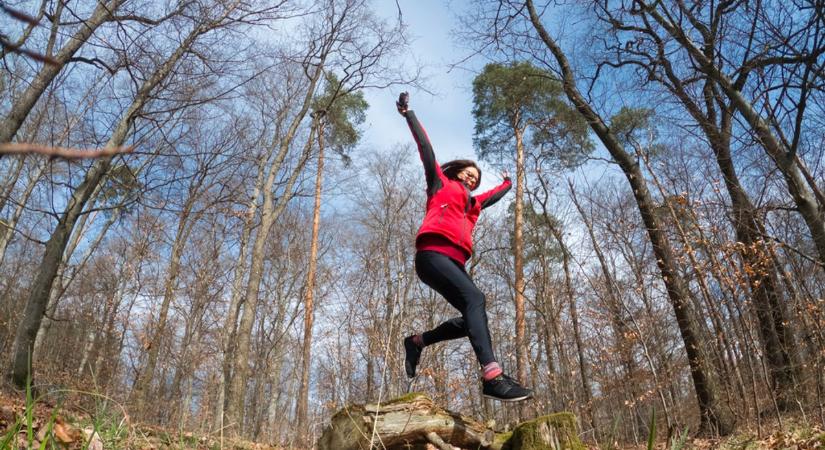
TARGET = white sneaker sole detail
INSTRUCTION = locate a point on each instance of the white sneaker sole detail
(509, 400)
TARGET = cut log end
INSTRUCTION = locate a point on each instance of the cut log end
(552, 432)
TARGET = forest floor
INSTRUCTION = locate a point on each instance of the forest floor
(100, 426)
(793, 433)
(48, 425)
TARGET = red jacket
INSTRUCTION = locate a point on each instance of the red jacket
(452, 212)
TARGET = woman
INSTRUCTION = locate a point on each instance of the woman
(443, 245)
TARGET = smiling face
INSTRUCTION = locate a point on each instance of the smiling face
(469, 176)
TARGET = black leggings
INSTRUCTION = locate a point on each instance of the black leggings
(450, 279)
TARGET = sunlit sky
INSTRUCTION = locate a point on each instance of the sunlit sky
(446, 113)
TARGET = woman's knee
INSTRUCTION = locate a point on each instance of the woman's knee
(476, 299)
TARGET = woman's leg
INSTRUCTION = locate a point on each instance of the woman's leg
(450, 280)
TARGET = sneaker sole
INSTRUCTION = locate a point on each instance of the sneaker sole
(408, 367)
(509, 400)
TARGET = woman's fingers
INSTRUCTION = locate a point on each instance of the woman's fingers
(403, 103)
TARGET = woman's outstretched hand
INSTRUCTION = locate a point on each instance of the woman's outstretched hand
(403, 103)
(505, 174)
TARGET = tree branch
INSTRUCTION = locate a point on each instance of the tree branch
(22, 148)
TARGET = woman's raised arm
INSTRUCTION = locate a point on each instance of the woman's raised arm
(425, 149)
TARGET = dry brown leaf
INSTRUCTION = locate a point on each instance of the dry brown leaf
(7, 415)
(65, 433)
(23, 441)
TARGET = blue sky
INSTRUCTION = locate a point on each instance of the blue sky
(446, 113)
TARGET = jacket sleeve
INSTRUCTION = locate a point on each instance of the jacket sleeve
(493, 195)
(425, 150)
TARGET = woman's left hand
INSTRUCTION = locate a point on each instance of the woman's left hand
(403, 103)
(505, 174)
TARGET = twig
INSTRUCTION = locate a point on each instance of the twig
(19, 15)
(9, 46)
(31, 54)
(790, 247)
(22, 148)
(438, 442)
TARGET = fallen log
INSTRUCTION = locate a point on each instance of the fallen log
(415, 422)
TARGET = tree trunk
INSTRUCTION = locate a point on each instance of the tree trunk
(713, 417)
(10, 181)
(774, 328)
(522, 355)
(574, 317)
(7, 227)
(619, 314)
(274, 412)
(39, 295)
(309, 293)
(181, 380)
(102, 339)
(142, 391)
(62, 285)
(236, 299)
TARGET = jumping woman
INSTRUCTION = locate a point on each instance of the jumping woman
(443, 245)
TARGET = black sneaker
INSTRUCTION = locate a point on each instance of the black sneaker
(505, 389)
(413, 355)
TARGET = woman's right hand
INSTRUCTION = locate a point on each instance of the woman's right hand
(403, 103)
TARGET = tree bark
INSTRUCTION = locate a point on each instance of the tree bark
(142, 391)
(10, 180)
(309, 293)
(522, 355)
(570, 294)
(774, 329)
(7, 227)
(230, 327)
(621, 318)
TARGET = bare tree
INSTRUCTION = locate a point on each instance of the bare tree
(340, 113)
(103, 12)
(541, 197)
(781, 150)
(188, 215)
(713, 417)
(39, 294)
(339, 44)
(714, 113)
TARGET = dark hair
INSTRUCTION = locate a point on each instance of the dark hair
(452, 168)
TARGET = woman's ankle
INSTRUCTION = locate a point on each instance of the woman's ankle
(490, 371)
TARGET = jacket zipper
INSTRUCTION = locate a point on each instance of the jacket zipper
(441, 214)
(464, 216)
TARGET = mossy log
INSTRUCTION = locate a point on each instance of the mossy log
(415, 422)
(553, 432)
